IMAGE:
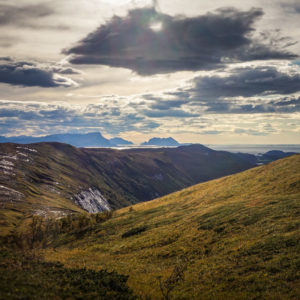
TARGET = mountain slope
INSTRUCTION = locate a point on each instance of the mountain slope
(58, 179)
(237, 237)
(119, 142)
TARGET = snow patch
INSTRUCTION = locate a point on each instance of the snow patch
(48, 212)
(22, 154)
(9, 189)
(9, 195)
(6, 167)
(28, 149)
(14, 157)
(92, 201)
(6, 162)
(8, 173)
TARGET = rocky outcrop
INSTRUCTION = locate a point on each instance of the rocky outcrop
(92, 201)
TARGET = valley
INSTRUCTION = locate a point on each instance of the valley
(236, 237)
(54, 179)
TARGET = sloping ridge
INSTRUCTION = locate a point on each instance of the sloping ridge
(58, 179)
(237, 237)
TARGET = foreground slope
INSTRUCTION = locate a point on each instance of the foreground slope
(237, 237)
(53, 179)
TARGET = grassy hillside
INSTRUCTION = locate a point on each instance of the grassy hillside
(43, 179)
(237, 237)
(27, 277)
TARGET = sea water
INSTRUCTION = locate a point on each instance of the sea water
(256, 149)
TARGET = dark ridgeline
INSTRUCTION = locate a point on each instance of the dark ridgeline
(60, 171)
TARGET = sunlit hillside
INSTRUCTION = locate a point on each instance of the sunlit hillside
(237, 237)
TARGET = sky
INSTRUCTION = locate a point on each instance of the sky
(210, 72)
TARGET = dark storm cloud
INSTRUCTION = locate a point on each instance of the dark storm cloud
(247, 82)
(22, 15)
(31, 74)
(149, 42)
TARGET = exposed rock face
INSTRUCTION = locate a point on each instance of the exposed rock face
(92, 201)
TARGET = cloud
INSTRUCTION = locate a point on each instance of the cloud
(173, 113)
(240, 90)
(291, 6)
(247, 82)
(149, 42)
(45, 118)
(33, 74)
(32, 16)
(64, 70)
(22, 15)
(111, 116)
(167, 104)
(250, 132)
(214, 132)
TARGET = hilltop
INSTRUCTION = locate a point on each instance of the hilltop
(54, 179)
(161, 142)
(237, 237)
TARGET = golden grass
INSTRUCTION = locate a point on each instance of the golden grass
(240, 235)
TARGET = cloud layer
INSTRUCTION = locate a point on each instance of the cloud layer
(241, 90)
(23, 15)
(149, 42)
(247, 82)
(33, 74)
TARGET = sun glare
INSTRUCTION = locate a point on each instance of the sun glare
(157, 26)
(125, 2)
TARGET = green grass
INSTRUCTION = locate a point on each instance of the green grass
(27, 277)
(239, 236)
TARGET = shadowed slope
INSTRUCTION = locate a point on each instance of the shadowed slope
(53, 179)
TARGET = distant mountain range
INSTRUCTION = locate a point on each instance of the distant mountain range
(161, 142)
(120, 142)
(273, 155)
(93, 139)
